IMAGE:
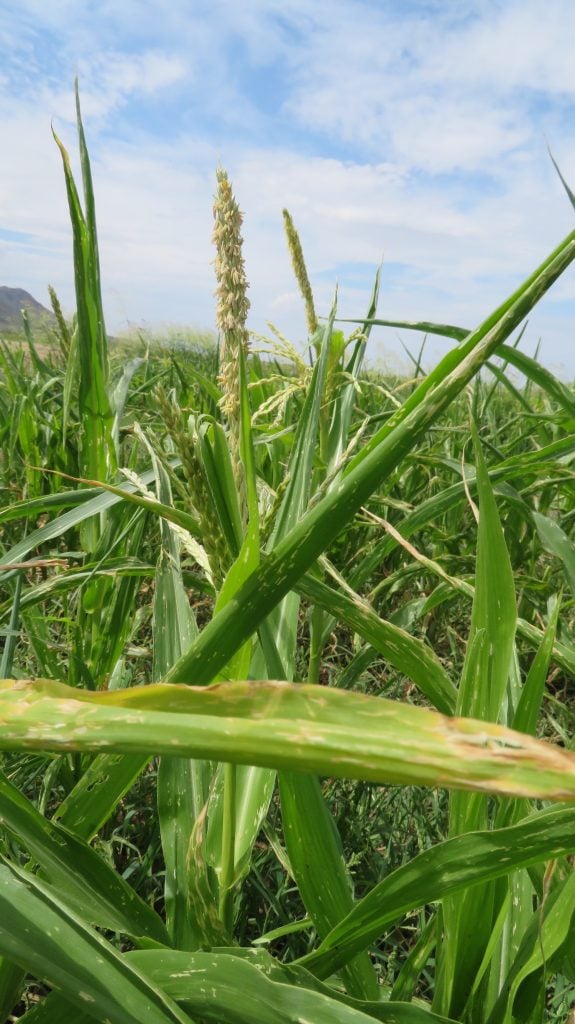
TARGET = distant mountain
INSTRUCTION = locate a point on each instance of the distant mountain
(13, 301)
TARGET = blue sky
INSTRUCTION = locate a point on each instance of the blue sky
(414, 131)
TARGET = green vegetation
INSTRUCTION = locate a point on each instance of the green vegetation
(287, 708)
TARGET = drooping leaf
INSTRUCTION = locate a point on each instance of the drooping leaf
(299, 727)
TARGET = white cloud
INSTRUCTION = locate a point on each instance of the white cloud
(444, 91)
(524, 45)
(414, 137)
(442, 136)
(108, 81)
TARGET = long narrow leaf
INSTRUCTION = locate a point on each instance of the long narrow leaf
(85, 880)
(305, 728)
(404, 652)
(446, 869)
(38, 932)
(305, 542)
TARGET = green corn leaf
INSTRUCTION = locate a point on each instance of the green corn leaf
(37, 362)
(424, 326)
(510, 313)
(226, 987)
(406, 982)
(549, 929)
(557, 543)
(404, 652)
(72, 579)
(282, 996)
(32, 507)
(97, 445)
(494, 614)
(445, 870)
(38, 932)
(239, 795)
(205, 908)
(563, 654)
(37, 631)
(359, 663)
(434, 507)
(120, 394)
(182, 783)
(85, 505)
(102, 785)
(339, 432)
(540, 376)
(214, 455)
(569, 191)
(486, 984)
(297, 551)
(298, 727)
(85, 881)
(529, 705)
(308, 826)
(468, 918)
(316, 859)
(174, 623)
(211, 390)
(253, 792)
(12, 982)
(501, 376)
(284, 619)
(520, 360)
(14, 607)
(173, 515)
(70, 380)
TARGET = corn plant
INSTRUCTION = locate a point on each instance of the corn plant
(270, 506)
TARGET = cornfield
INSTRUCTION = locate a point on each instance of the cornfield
(287, 698)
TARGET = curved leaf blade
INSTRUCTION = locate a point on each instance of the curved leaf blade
(299, 727)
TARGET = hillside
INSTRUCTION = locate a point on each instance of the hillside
(12, 301)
